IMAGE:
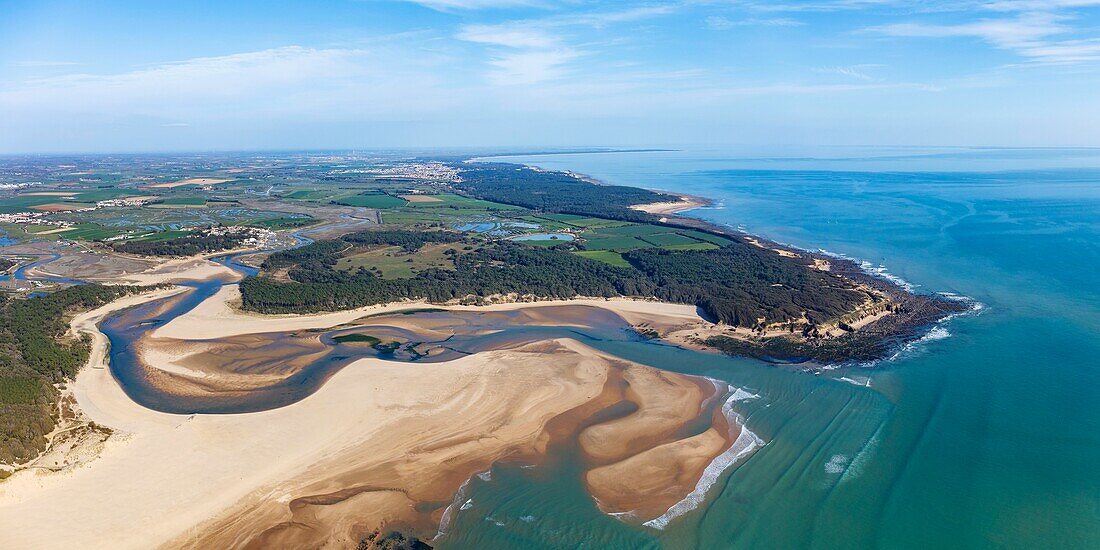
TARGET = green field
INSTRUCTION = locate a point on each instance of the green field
(633, 230)
(605, 256)
(393, 263)
(373, 200)
(183, 201)
(621, 244)
(629, 237)
(90, 232)
(308, 194)
(668, 239)
(593, 223)
(81, 232)
(161, 236)
(452, 201)
(10, 205)
(96, 195)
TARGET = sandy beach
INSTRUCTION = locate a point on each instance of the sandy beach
(686, 202)
(381, 443)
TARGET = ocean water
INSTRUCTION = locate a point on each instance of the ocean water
(985, 434)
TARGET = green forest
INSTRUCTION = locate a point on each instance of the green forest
(738, 284)
(188, 245)
(557, 192)
(34, 355)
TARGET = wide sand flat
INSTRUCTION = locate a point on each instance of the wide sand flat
(424, 428)
(381, 442)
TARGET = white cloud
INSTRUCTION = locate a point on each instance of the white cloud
(1031, 35)
(851, 72)
(530, 67)
(455, 5)
(261, 83)
(510, 35)
(1019, 32)
(720, 23)
(1038, 5)
(530, 51)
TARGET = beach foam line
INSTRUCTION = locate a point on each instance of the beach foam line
(460, 502)
(939, 330)
(745, 444)
(879, 271)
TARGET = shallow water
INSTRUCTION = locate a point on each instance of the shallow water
(986, 434)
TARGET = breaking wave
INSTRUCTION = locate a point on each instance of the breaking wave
(744, 445)
(460, 502)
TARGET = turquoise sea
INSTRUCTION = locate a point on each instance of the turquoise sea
(985, 434)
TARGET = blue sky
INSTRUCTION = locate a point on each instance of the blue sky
(139, 76)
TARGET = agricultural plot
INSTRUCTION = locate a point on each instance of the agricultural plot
(605, 256)
(307, 194)
(97, 195)
(668, 239)
(161, 236)
(91, 232)
(79, 232)
(633, 236)
(409, 216)
(705, 237)
(452, 201)
(618, 244)
(372, 200)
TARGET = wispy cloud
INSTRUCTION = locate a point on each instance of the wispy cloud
(290, 78)
(530, 67)
(720, 23)
(509, 35)
(856, 72)
(458, 5)
(44, 63)
(1039, 37)
(530, 51)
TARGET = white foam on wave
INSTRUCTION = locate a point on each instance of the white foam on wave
(855, 467)
(937, 333)
(837, 464)
(460, 497)
(745, 444)
(741, 395)
(869, 268)
(862, 381)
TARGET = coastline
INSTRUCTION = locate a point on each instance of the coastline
(220, 520)
(506, 402)
(875, 336)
